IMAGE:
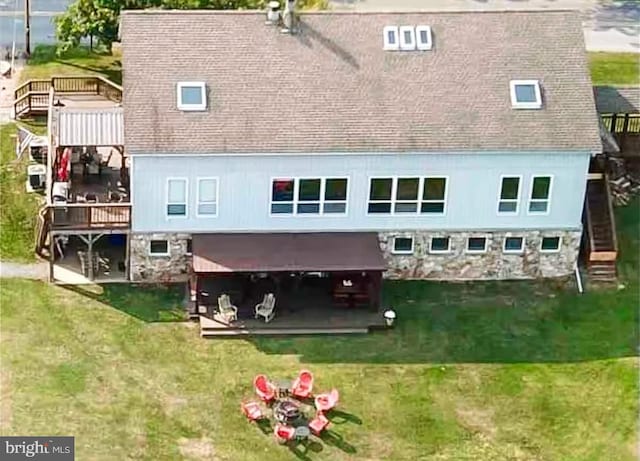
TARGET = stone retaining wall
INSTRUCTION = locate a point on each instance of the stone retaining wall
(494, 264)
(148, 268)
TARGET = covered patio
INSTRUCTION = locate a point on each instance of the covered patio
(322, 282)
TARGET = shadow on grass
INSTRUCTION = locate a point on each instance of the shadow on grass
(113, 74)
(149, 303)
(341, 417)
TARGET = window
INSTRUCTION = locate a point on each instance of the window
(509, 195)
(207, 205)
(407, 38)
(423, 38)
(513, 244)
(540, 195)
(309, 196)
(380, 195)
(189, 246)
(192, 96)
(525, 94)
(176, 197)
(407, 195)
(550, 244)
(476, 244)
(439, 245)
(402, 245)
(390, 35)
(434, 195)
(158, 248)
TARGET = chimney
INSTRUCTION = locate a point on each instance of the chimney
(288, 17)
(273, 13)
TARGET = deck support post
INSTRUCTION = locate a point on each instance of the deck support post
(127, 252)
(52, 255)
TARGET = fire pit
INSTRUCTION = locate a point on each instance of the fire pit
(286, 411)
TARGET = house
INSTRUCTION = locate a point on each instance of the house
(460, 141)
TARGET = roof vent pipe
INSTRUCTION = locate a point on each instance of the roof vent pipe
(273, 13)
(288, 19)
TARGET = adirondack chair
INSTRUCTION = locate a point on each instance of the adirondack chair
(303, 384)
(226, 309)
(252, 411)
(325, 402)
(267, 307)
(283, 433)
(319, 423)
(265, 390)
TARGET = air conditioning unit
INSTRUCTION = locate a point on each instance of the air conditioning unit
(36, 177)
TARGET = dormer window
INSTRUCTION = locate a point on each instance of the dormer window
(423, 38)
(407, 38)
(525, 94)
(192, 96)
(390, 35)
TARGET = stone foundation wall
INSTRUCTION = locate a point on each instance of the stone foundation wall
(148, 268)
(494, 264)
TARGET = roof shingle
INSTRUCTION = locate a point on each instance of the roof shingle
(332, 88)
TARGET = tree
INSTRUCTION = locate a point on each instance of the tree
(99, 18)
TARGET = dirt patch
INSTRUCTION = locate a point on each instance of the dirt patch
(173, 404)
(197, 449)
(5, 400)
(477, 420)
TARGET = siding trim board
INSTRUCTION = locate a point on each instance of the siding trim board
(352, 153)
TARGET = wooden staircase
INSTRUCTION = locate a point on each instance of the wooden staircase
(601, 242)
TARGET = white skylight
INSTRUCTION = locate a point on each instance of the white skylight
(407, 38)
(423, 38)
(390, 36)
(192, 96)
(525, 94)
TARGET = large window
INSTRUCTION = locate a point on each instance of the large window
(309, 196)
(540, 195)
(207, 205)
(407, 195)
(176, 197)
(509, 195)
(192, 96)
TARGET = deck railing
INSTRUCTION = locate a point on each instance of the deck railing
(80, 216)
(31, 97)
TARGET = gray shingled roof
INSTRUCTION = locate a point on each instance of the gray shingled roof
(332, 88)
(617, 100)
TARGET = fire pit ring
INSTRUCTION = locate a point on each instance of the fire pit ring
(286, 411)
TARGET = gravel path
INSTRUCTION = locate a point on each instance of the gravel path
(38, 271)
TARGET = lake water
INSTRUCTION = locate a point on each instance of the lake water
(42, 28)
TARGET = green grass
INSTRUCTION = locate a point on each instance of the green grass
(44, 63)
(615, 68)
(17, 207)
(495, 371)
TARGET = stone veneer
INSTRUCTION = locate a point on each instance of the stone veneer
(494, 264)
(171, 268)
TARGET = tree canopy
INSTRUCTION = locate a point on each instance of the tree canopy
(98, 19)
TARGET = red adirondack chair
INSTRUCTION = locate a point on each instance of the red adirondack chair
(252, 411)
(303, 384)
(284, 433)
(319, 423)
(265, 390)
(325, 402)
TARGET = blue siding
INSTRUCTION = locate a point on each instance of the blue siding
(245, 187)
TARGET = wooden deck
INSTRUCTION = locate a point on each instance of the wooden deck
(303, 322)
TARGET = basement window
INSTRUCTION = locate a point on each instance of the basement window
(390, 35)
(402, 245)
(407, 38)
(423, 38)
(192, 96)
(525, 94)
(476, 245)
(513, 245)
(550, 244)
(158, 248)
(440, 245)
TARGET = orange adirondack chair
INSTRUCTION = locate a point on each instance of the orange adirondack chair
(325, 402)
(303, 384)
(265, 390)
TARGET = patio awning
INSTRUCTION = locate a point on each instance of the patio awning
(90, 127)
(321, 252)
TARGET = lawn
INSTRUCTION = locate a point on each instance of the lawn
(615, 68)
(17, 208)
(491, 371)
(44, 63)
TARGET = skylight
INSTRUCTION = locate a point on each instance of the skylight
(525, 94)
(191, 96)
(423, 38)
(407, 38)
(390, 35)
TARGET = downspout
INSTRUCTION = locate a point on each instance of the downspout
(578, 279)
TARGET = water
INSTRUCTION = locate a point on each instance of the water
(42, 27)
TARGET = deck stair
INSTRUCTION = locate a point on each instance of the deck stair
(602, 246)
